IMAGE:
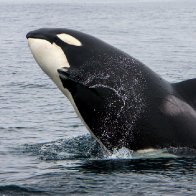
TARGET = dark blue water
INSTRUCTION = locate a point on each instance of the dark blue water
(44, 148)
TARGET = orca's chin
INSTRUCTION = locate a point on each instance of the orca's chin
(50, 57)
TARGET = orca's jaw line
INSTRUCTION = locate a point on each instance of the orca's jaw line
(49, 57)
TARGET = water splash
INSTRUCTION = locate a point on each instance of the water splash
(81, 147)
(122, 153)
(86, 147)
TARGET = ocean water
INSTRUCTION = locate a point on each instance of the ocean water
(44, 148)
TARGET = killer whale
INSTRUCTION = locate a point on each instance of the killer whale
(122, 102)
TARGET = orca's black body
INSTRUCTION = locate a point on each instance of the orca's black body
(123, 102)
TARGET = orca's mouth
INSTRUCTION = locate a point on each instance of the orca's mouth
(39, 35)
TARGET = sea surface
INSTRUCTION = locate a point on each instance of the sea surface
(44, 147)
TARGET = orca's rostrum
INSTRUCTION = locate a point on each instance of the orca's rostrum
(121, 101)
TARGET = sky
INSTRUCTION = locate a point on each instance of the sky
(53, 1)
(73, 1)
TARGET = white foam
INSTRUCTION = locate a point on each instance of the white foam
(122, 153)
(125, 153)
(152, 153)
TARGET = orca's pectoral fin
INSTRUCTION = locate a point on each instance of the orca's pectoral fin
(63, 73)
(66, 78)
(187, 90)
(98, 96)
(71, 83)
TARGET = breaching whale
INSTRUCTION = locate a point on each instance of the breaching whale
(122, 102)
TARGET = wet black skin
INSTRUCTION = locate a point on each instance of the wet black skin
(119, 98)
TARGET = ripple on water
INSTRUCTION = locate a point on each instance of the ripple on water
(19, 190)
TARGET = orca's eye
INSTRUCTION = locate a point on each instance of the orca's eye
(68, 39)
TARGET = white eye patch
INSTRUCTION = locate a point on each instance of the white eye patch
(69, 39)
